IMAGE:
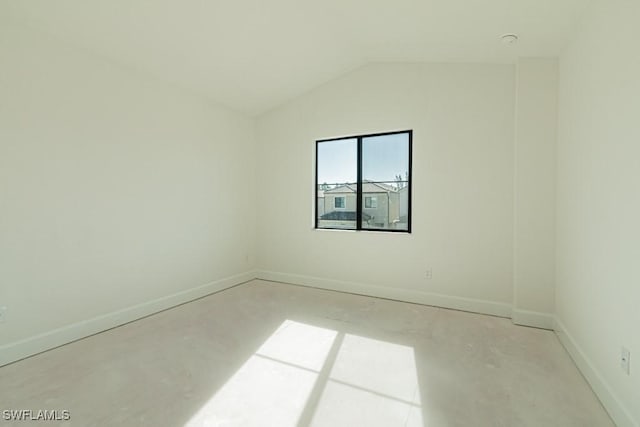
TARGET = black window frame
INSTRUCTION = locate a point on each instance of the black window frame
(359, 196)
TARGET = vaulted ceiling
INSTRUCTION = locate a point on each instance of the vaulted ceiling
(252, 55)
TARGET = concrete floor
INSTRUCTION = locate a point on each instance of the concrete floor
(270, 354)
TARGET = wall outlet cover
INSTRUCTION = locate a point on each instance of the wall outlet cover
(625, 356)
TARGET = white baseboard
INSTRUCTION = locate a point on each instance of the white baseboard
(406, 295)
(33, 345)
(534, 319)
(27, 347)
(620, 415)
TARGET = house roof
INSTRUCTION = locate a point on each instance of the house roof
(368, 187)
(346, 188)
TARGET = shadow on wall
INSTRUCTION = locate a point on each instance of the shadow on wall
(279, 355)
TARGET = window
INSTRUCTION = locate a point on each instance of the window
(370, 202)
(365, 182)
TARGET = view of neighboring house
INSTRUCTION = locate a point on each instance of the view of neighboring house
(381, 206)
(320, 203)
(404, 205)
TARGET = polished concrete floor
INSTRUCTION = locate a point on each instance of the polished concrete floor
(270, 354)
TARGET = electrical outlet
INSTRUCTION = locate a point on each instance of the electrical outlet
(625, 355)
(3, 314)
(429, 274)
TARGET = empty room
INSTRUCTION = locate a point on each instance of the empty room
(339, 213)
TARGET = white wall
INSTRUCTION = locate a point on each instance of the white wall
(463, 121)
(115, 190)
(598, 280)
(535, 166)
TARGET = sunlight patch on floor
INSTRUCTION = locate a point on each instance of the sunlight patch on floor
(303, 374)
(273, 386)
(299, 344)
(372, 383)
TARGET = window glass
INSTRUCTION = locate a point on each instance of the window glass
(385, 172)
(337, 177)
(364, 182)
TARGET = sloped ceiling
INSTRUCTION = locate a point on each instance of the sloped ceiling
(252, 55)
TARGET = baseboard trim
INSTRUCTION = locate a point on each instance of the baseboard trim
(406, 295)
(616, 409)
(17, 350)
(534, 319)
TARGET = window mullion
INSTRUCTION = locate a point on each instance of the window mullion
(359, 187)
(316, 190)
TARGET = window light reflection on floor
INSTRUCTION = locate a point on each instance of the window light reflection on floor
(372, 383)
(303, 374)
